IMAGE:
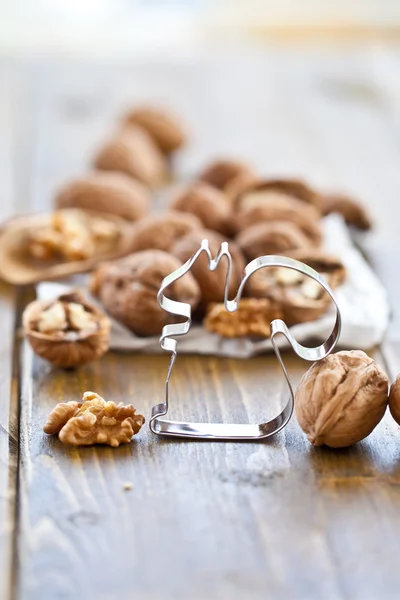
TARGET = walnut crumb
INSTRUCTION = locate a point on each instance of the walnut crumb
(253, 317)
(127, 486)
(94, 421)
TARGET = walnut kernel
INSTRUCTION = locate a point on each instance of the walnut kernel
(252, 318)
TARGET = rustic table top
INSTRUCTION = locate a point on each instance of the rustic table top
(277, 519)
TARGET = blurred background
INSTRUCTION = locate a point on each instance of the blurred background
(124, 26)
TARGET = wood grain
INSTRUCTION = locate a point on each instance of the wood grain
(213, 520)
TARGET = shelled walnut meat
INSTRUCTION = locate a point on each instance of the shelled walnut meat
(212, 283)
(128, 290)
(252, 318)
(165, 128)
(161, 231)
(132, 151)
(68, 331)
(266, 189)
(280, 208)
(73, 235)
(108, 192)
(93, 421)
(275, 237)
(341, 399)
(207, 203)
(301, 298)
(221, 172)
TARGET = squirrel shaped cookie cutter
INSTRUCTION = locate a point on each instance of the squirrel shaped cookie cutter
(232, 431)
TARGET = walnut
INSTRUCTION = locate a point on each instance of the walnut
(212, 284)
(133, 151)
(210, 205)
(252, 318)
(275, 237)
(301, 299)
(94, 421)
(341, 399)
(128, 290)
(270, 188)
(67, 331)
(107, 192)
(394, 399)
(238, 185)
(353, 212)
(221, 172)
(165, 129)
(73, 235)
(280, 208)
(161, 231)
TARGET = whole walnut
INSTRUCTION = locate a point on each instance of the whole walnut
(300, 298)
(165, 129)
(341, 399)
(394, 399)
(276, 237)
(221, 172)
(280, 208)
(212, 284)
(239, 184)
(291, 188)
(128, 290)
(133, 151)
(354, 212)
(108, 192)
(210, 205)
(161, 231)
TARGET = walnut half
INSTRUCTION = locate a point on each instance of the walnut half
(253, 317)
(94, 421)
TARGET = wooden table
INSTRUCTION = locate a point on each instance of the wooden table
(249, 521)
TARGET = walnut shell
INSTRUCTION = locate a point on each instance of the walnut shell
(108, 192)
(19, 267)
(212, 284)
(67, 348)
(133, 151)
(281, 208)
(210, 205)
(300, 298)
(161, 231)
(276, 237)
(394, 399)
(341, 399)
(165, 129)
(353, 212)
(239, 184)
(270, 188)
(221, 172)
(128, 290)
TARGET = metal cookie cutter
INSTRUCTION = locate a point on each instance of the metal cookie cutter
(231, 431)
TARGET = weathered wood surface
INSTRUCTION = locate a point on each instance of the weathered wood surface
(213, 520)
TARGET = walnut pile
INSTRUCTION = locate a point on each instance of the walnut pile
(252, 318)
(94, 421)
(300, 298)
(72, 235)
(68, 331)
(341, 399)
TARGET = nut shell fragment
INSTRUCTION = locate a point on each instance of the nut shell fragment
(290, 188)
(276, 237)
(66, 345)
(107, 192)
(133, 151)
(341, 399)
(165, 129)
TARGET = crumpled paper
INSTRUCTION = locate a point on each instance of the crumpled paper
(362, 302)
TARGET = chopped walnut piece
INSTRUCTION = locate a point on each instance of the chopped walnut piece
(79, 318)
(53, 319)
(94, 421)
(253, 317)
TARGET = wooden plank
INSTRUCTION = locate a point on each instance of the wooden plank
(213, 520)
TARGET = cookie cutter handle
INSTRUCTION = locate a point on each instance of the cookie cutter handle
(232, 431)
